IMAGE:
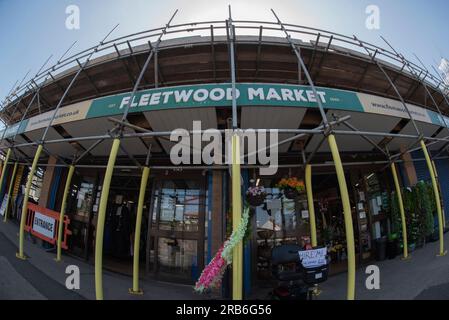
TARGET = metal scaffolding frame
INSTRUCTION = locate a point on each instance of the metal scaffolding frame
(124, 46)
(336, 42)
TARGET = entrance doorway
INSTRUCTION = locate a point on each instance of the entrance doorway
(177, 229)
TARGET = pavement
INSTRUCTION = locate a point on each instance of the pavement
(424, 277)
(40, 277)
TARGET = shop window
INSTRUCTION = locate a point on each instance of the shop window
(84, 199)
(179, 209)
(36, 184)
(178, 256)
(279, 221)
(279, 214)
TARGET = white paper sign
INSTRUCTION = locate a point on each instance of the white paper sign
(305, 214)
(313, 258)
(379, 201)
(44, 225)
(3, 207)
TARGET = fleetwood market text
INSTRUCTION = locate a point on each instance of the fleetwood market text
(220, 94)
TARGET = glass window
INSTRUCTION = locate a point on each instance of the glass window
(179, 207)
(84, 199)
(178, 256)
(278, 214)
(36, 184)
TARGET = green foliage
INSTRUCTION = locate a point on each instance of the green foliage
(395, 215)
(419, 207)
(411, 215)
(426, 204)
(329, 233)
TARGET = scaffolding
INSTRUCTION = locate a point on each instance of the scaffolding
(148, 42)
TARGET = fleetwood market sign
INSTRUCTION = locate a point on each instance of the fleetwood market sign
(220, 95)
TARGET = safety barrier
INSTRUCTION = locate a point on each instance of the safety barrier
(43, 223)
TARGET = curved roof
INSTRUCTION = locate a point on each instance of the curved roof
(333, 60)
(342, 66)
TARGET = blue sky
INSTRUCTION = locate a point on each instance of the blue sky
(32, 30)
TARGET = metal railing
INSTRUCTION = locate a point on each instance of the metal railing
(317, 39)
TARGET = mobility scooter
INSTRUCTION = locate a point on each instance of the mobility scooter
(298, 271)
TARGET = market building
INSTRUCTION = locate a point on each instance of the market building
(387, 115)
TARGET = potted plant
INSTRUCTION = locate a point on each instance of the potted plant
(256, 196)
(291, 187)
(411, 217)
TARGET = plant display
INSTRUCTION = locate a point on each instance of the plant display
(395, 215)
(419, 207)
(256, 191)
(427, 207)
(256, 196)
(291, 187)
(291, 183)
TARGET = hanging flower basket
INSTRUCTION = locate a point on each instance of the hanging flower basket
(256, 196)
(290, 193)
(291, 187)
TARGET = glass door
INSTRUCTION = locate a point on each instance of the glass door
(177, 230)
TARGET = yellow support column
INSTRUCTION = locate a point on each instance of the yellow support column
(439, 188)
(347, 216)
(23, 217)
(11, 186)
(101, 218)
(437, 198)
(143, 187)
(237, 257)
(68, 182)
(5, 165)
(310, 205)
(401, 210)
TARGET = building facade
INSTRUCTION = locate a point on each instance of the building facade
(380, 106)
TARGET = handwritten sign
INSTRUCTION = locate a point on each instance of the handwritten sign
(313, 258)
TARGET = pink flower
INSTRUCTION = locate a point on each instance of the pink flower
(212, 274)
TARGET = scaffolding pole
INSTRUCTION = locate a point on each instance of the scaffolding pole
(40, 147)
(286, 131)
(8, 154)
(11, 186)
(310, 205)
(440, 212)
(424, 149)
(437, 199)
(401, 210)
(101, 218)
(67, 190)
(143, 187)
(108, 176)
(237, 254)
(20, 254)
(349, 228)
(237, 260)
